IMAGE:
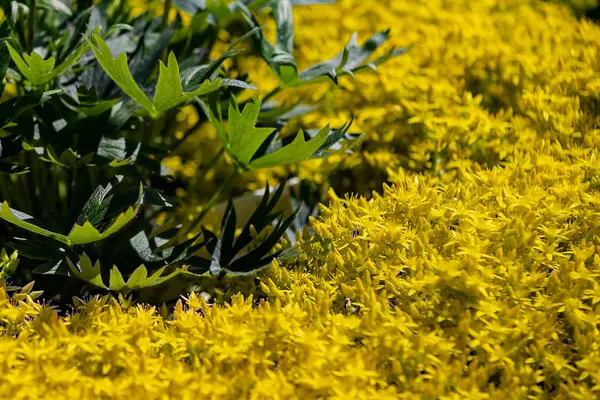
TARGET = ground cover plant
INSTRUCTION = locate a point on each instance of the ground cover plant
(462, 263)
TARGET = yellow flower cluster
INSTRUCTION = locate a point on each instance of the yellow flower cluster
(473, 275)
(485, 286)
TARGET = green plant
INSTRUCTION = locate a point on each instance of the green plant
(88, 122)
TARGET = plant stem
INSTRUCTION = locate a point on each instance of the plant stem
(272, 93)
(165, 16)
(156, 128)
(214, 160)
(31, 26)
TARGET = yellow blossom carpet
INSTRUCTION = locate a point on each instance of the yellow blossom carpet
(474, 273)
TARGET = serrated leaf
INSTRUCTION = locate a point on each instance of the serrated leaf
(119, 72)
(138, 277)
(70, 60)
(92, 274)
(87, 271)
(33, 66)
(169, 91)
(352, 59)
(116, 282)
(39, 71)
(87, 233)
(244, 139)
(298, 150)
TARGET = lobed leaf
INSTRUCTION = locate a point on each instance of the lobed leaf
(87, 233)
(139, 279)
(298, 150)
(87, 271)
(244, 138)
(249, 145)
(39, 71)
(169, 91)
(119, 72)
(353, 58)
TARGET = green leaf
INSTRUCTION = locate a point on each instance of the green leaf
(338, 141)
(4, 62)
(12, 108)
(86, 271)
(39, 71)
(244, 139)
(119, 72)
(200, 73)
(228, 256)
(92, 109)
(258, 4)
(28, 223)
(279, 57)
(352, 59)
(87, 233)
(298, 150)
(138, 277)
(34, 68)
(283, 112)
(213, 113)
(55, 5)
(190, 6)
(80, 25)
(13, 169)
(156, 278)
(70, 60)
(169, 91)
(116, 282)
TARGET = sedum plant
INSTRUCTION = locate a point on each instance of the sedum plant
(89, 96)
